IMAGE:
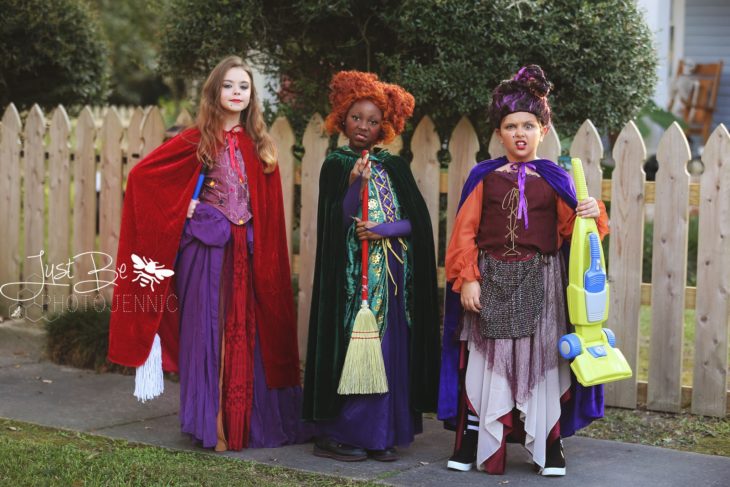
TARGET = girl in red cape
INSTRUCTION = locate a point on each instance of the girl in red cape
(225, 320)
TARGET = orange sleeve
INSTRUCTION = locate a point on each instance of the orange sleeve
(462, 252)
(566, 218)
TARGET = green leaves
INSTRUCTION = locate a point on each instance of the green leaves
(449, 53)
(50, 53)
(196, 34)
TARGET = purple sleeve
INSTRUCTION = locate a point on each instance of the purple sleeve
(350, 203)
(401, 228)
(207, 225)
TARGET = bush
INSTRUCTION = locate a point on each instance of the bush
(450, 54)
(131, 31)
(81, 339)
(599, 54)
(50, 53)
(197, 34)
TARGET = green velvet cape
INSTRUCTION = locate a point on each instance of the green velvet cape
(328, 337)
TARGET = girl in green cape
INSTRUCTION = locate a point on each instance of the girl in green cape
(401, 276)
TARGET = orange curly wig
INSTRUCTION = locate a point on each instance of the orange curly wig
(347, 87)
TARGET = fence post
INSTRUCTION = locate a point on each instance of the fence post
(153, 131)
(625, 257)
(134, 141)
(425, 145)
(463, 146)
(709, 383)
(315, 149)
(34, 179)
(85, 200)
(669, 272)
(110, 198)
(587, 146)
(59, 205)
(10, 177)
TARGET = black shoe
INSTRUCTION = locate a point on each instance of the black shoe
(463, 460)
(387, 455)
(328, 448)
(554, 460)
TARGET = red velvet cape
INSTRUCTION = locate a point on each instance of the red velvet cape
(158, 193)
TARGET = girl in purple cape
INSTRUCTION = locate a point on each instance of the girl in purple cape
(502, 377)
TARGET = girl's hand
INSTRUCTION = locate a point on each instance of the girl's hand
(361, 169)
(362, 229)
(191, 207)
(588, 208)
(470, 292)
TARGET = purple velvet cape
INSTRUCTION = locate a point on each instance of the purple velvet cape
(586, 403)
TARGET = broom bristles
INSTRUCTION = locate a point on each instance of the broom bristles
(364, 370)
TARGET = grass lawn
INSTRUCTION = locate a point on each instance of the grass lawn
(35, 455)
(687, 348)
(699, 434)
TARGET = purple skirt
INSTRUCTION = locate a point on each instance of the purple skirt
(275, 413)
(380, 421)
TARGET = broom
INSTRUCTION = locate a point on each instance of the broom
(364, 370)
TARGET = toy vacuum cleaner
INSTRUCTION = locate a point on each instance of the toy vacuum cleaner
(596, 360)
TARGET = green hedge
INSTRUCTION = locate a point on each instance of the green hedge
(81, 339)
(50, 53)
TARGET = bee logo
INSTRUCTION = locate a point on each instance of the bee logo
(149, 272)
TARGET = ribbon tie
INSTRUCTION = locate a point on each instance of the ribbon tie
(521, 168)
(232, 142)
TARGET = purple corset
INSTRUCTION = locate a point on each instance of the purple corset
(226, 190)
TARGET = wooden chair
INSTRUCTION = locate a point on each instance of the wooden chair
(694, 95)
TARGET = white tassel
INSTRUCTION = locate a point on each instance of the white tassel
(149, 383)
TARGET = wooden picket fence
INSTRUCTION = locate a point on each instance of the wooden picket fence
(43, 158)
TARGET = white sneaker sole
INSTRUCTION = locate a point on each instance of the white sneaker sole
(461, 467)
(553, 472)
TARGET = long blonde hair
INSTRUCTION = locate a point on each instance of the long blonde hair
(211, 114)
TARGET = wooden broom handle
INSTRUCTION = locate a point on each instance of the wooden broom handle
(365, 242)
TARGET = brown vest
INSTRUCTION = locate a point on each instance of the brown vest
(505, 237)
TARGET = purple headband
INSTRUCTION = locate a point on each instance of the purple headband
(519, 98)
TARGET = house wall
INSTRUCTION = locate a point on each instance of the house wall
(707, 40)
(658, 17)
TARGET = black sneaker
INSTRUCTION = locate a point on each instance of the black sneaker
(328, 448)
(554, 460)
(463, 460)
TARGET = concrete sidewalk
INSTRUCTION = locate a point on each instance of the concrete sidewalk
(40, 392)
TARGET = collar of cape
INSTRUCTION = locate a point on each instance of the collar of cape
(557, 177)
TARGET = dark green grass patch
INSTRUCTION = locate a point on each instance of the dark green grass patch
(685, 432)
(35, 455)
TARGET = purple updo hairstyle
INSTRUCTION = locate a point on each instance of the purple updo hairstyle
(526, 92)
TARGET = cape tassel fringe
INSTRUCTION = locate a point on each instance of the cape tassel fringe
(364, 370)
(149, 382)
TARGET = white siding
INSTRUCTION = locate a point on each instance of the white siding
(657, 16)
(707, 40)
